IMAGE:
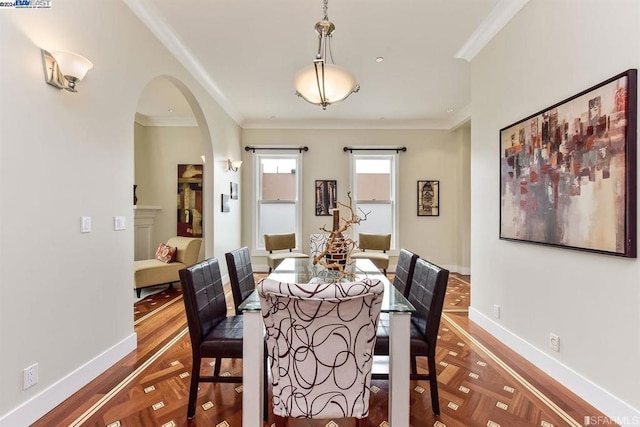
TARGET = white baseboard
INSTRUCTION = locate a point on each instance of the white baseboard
(43, 402)
(457, 269)
(260, 268)
(610, 405)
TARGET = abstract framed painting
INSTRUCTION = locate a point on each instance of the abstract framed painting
(190, 203)
(429, 198)
(568, 173)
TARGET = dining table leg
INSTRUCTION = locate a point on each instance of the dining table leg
(252, 369)
(399, 372)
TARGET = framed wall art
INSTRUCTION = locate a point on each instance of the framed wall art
(233, 190)
(429, 198)
(190, 200)
(224, 203)
(568, 173)
(326, 197)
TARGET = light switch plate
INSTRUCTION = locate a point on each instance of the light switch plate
(119, 223)
(85, 224)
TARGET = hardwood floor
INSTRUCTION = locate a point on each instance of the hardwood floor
(481, 382)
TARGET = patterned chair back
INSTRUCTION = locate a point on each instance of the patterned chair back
(317, 244)
(320, 340)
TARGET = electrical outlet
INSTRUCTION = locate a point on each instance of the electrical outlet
(496, 311)
(554, 342)
(119, 223)
(85, 224)
(30, 376)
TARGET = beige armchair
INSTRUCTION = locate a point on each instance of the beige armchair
(380, 244)
(152, 272)
(281, 242)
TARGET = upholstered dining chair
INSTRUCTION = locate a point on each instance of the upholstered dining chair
(240, 275)
(426, 294)
(374, 247)
(404, 271)
(284, 244)
(317, 244)
(320, 341)
(213, 334)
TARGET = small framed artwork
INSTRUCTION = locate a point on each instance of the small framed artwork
(224, 202)
(234, 191)
(429, 198)
(326, 197)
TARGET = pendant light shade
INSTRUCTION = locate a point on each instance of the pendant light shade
(336, 82)
(324, 83)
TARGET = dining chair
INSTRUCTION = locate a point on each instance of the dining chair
(426, 294)
(280, 242)
(240, 275)
(317, 244)
(212, 333)
(374, 247)
(320, 340)
(404, 271)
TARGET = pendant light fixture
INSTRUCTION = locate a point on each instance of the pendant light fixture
(324, 83)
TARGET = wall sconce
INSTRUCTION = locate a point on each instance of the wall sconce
(233, 165)
(64, 69)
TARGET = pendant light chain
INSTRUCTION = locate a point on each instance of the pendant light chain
(323, 83)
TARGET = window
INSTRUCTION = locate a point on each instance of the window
(374, 192)
(278, 197)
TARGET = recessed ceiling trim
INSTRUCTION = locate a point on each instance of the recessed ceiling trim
(348, 124)
(150, 17)
(501, 14)
(183, 121)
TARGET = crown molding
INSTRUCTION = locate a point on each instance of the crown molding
(146, 12)
(346, 124)
(500, 15)
(184, 121)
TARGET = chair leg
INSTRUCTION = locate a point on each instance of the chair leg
(265, 385)
(216, 367)
(414, 365)
(433, 383)
(138, 292)
(193, 390)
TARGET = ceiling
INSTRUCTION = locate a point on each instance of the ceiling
(246, 52)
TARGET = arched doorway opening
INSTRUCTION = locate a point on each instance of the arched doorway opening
(170, 136)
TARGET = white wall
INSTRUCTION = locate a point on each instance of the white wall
(65, 297)
(158, 152)
(550, 51)
(431, 154)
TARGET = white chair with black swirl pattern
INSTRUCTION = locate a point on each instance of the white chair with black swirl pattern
(320, 340)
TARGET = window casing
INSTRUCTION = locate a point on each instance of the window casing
(277, 196)
(374, 187)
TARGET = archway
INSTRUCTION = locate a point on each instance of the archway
(169, 130)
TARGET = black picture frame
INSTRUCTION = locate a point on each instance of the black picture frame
(428, 198)
(224, 203)
(568, 172)
(326, 196)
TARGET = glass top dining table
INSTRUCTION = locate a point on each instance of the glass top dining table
(302, 270)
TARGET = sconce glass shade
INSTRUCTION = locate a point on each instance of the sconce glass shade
(72, 64)
(233, 165)
(338, 83)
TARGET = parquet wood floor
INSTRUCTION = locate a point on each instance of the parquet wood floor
(481, 382)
